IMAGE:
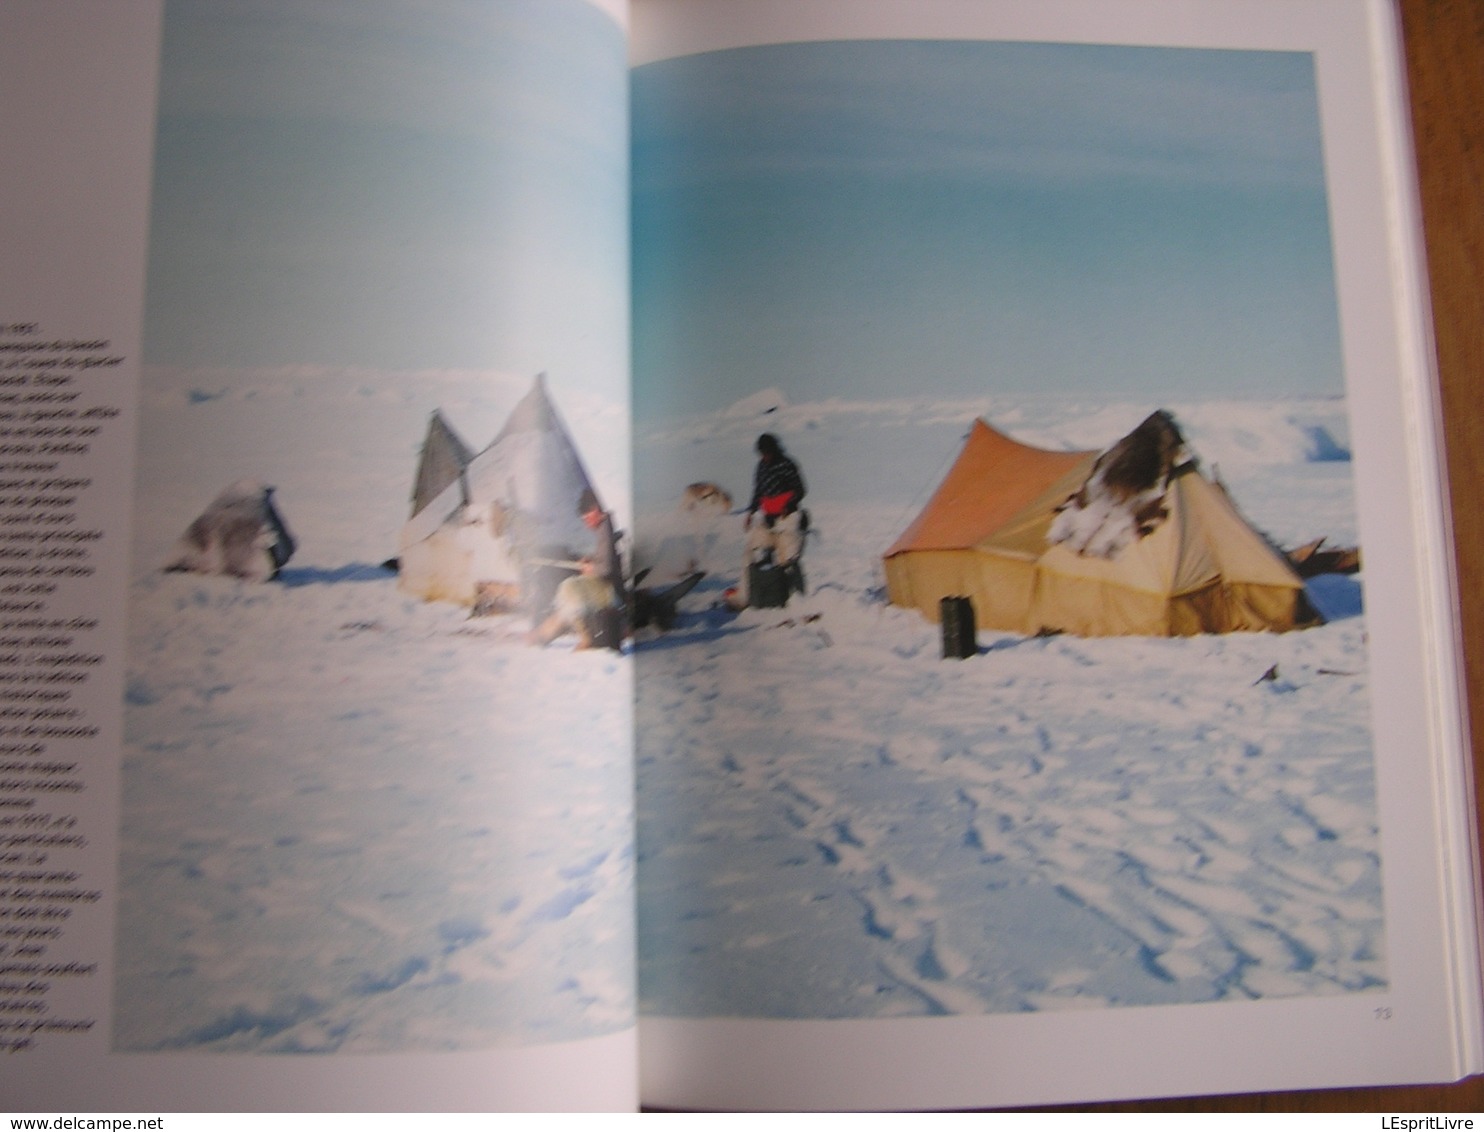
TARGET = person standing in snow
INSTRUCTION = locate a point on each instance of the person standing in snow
(773, 522)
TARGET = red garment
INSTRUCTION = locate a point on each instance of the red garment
(776, 505)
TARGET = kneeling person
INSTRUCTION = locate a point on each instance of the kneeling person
(585, 604)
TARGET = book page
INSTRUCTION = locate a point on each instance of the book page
(1067, 709)
(315, 360)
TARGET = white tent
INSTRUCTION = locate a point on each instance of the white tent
(488, 528)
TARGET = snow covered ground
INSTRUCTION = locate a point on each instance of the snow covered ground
(357, 822)
(354, 821)
(835, 822)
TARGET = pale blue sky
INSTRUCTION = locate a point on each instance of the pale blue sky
(897, 218)
(350, 182)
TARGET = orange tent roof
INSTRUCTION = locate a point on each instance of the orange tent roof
(993, 479)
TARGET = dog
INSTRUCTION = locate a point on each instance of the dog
(706, 498)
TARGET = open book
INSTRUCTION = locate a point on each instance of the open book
(873, 554)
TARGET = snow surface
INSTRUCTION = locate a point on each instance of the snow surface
(835, 822)
(354, 821)
(357, 822)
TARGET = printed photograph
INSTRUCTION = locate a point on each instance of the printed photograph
(990, 410)
(378, 766)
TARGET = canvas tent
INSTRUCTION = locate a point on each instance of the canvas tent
(442, 462)
(1202, 569)
(495, 522)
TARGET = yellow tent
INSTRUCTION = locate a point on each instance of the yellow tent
(1203, 569)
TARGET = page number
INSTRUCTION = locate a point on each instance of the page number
(1383, 1014)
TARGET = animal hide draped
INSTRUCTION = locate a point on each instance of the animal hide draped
(1122, 499)
(239, 535)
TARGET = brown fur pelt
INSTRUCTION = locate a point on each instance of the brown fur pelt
(239, 535)
(1122, 499)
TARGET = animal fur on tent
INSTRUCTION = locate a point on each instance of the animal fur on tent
(498, 529)
(1133, 541)
(1122, 499)
(240, 535)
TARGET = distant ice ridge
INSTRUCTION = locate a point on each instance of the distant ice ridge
(340, 444)
(1233, 432)
(758, 404)
(894, 453)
